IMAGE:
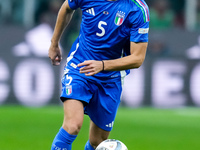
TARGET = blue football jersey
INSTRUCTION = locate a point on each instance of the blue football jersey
(106, 28)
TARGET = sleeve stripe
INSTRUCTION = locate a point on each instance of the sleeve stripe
(144, 9)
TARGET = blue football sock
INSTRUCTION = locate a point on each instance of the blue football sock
(63, 140)
(88, 146)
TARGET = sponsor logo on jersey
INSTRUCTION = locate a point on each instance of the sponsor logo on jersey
(143, 30)
(73, 65)
(91, 11)
(119, 18)
(105, 12)
(68, 89)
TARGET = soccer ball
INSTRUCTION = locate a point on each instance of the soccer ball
(111, 144)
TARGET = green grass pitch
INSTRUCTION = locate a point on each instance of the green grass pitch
(23, 128)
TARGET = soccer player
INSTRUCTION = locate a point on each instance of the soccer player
(92, 81)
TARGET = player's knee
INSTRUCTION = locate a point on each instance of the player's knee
(72, 128)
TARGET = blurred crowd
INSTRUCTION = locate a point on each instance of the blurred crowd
(166, 13)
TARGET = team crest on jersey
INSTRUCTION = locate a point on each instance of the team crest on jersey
(119, 18)
(68, 89)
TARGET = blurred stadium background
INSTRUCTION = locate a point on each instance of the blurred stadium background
(160, 100)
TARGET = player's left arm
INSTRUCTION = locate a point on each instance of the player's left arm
(135, 60)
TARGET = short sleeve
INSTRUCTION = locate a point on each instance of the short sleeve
(74, 4)
(139, 27)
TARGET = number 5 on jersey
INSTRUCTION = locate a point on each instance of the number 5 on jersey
(101, 28)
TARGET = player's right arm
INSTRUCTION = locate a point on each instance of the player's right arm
(63, 19)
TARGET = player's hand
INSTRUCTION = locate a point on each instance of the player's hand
(91, 67)
(55, 55)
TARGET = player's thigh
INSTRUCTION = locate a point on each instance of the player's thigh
(104, 104)
(73, 115)
(97, 135)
